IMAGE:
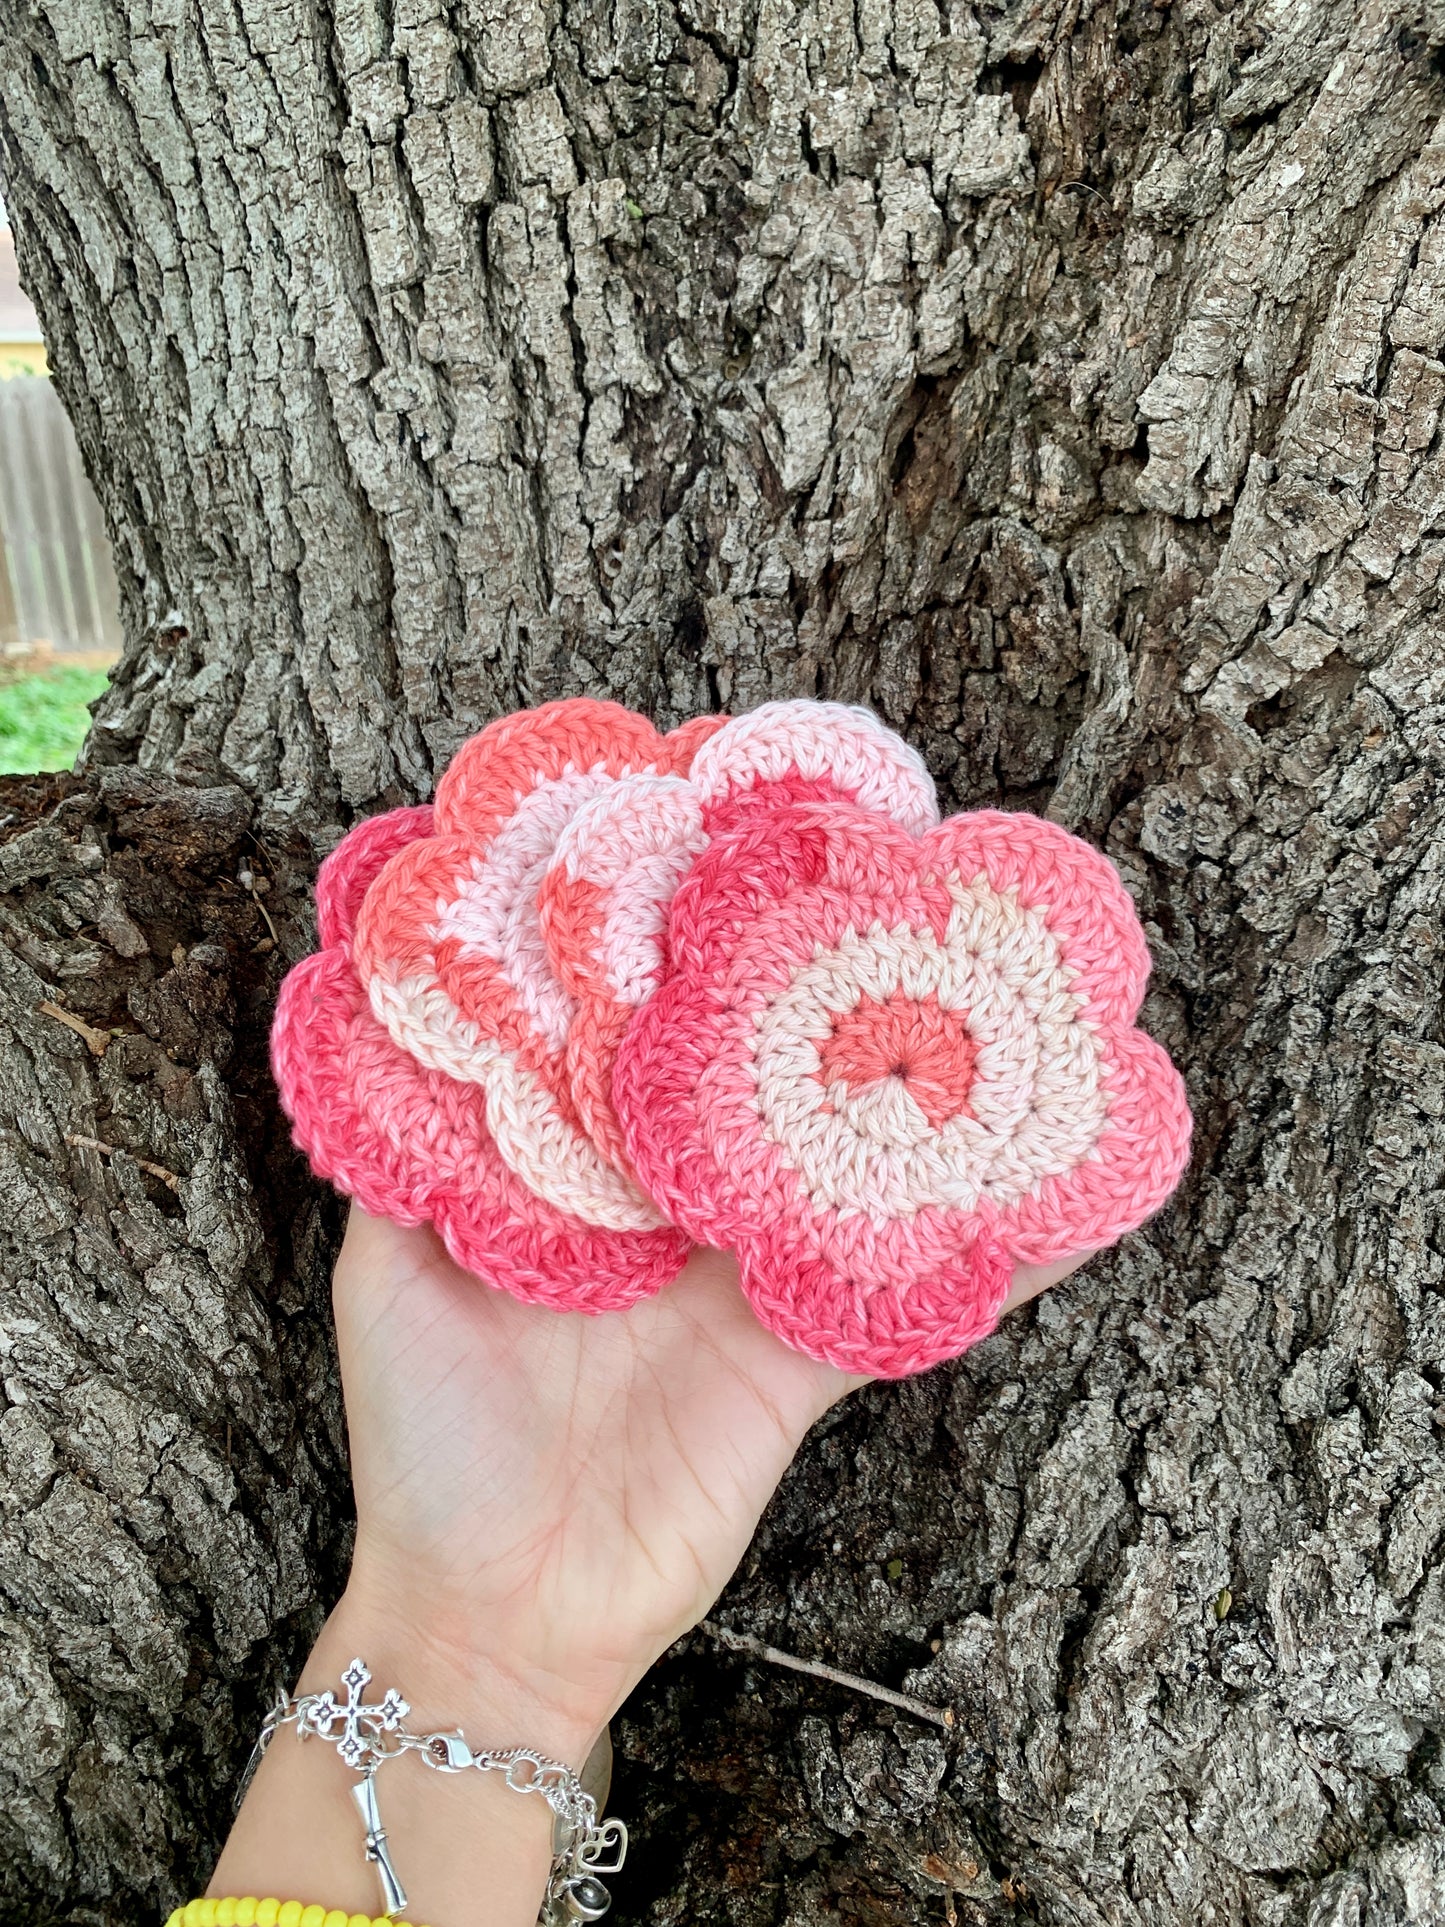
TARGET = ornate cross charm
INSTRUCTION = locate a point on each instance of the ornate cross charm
(358, 1722)
(360, 1725)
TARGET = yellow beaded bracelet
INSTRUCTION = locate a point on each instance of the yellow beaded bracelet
(269, 1913)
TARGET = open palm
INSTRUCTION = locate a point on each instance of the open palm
(568, 1492)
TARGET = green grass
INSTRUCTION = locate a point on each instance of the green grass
(43, 718)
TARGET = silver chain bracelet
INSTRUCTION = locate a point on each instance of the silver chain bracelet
(582, 1847)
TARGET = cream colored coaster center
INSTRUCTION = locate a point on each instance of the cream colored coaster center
(1037, 1104)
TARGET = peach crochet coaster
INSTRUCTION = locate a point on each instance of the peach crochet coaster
(616, 992)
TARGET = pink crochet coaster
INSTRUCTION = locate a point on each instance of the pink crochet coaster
(412, 1144)
(884, 1068)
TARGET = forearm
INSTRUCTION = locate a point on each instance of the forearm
(466, 1847)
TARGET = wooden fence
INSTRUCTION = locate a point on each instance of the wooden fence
(57, 586)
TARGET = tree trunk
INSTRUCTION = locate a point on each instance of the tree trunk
(1064, 380)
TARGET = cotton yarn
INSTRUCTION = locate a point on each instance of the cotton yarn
(615, 993)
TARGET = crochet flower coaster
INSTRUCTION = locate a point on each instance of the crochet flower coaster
(884, 1069)
(450, 952)
(410, 1143)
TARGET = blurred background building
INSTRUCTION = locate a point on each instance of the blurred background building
(59, 627)
(57, 586)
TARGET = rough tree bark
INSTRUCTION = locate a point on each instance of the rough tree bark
(1062, 376)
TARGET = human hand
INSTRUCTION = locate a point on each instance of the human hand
(550, 1500)
(544, 1501)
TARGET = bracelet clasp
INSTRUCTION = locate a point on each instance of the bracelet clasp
(447, 1752)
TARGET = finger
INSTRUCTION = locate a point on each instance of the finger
(842, 1383)
(1028, 1282)
(377, 1252)
(829, 1385)
(1031, 1280)
(365, 1236)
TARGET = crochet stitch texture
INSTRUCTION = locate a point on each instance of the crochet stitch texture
(615, 993)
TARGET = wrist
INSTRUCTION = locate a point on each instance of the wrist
(447, 1836)
(455, 1671)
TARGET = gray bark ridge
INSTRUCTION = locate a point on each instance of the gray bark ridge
(1065, 380)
